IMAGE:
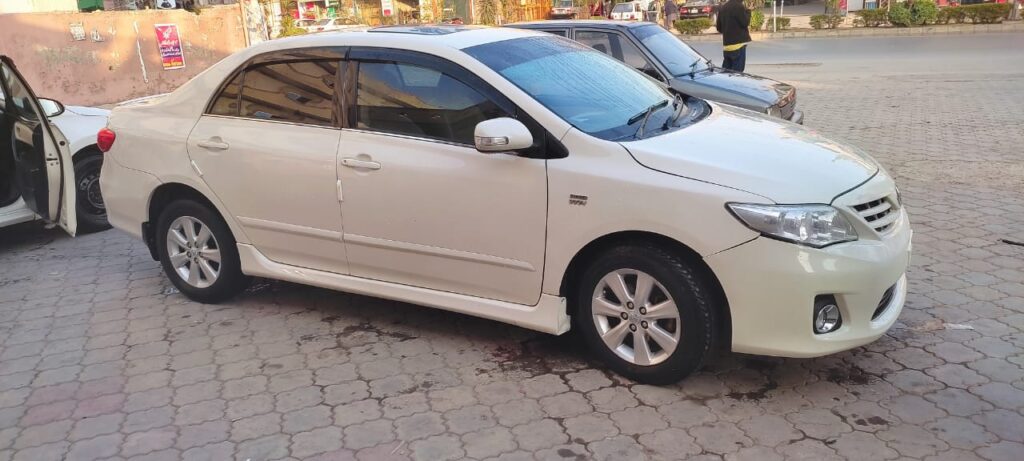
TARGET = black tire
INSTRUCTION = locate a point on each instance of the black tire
(89, 206)
(688, 290)
(230, 280)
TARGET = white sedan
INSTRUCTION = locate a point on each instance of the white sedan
(26, 185)
(479, 170)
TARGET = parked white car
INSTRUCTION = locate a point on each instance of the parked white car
(32, 173)
(479, 170)
(333, 24)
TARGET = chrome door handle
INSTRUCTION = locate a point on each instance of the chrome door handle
(214, 144)
(364, 164)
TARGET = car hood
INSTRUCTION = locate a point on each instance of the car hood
(87, 111)
(781, 161)
(723, 84)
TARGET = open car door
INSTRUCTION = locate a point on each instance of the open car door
(43, 170)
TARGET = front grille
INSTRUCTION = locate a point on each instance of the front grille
(880, 214)
(884, 303)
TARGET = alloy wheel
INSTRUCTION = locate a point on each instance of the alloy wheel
(193, 251)
(636, 317)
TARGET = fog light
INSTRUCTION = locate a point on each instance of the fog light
(827, 318)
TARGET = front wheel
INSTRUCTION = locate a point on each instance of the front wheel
(198, 252)
(646, 313)
(89, 207)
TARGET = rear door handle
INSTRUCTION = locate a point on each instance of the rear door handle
(363, 164)
(214, 143)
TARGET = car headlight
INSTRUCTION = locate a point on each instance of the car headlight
(812, 225)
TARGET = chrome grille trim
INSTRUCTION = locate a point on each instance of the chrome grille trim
(879, 214)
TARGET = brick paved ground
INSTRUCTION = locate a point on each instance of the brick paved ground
(100, 359)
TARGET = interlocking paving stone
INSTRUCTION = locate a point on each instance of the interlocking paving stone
(99, 358)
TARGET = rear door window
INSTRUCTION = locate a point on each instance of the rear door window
(558, 32)
(295, 92)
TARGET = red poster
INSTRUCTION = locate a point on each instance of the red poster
(169, 42)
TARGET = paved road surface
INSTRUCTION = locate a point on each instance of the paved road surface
(100, 359)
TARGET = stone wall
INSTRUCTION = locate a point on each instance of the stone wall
(118, 58)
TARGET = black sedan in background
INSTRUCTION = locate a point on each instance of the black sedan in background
(700, 9)
(652, 50)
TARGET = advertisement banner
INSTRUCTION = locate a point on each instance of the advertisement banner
(169, 42)
(387, 7)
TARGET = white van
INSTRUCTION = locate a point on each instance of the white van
(630, 11)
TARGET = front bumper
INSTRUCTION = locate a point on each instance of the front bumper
(771, 286)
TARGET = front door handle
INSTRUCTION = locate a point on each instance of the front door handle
(363, 164)
(214, 143)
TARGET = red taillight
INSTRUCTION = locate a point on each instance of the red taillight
(105, 139)
(707, 9)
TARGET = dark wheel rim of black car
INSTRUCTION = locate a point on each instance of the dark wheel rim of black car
(90, 200)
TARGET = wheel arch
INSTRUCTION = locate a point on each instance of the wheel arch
(596, 247)
(91, 149)
(162, 196)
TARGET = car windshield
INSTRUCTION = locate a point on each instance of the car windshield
(623, 8)
(595, 93)
(563, 3)
(677, 56)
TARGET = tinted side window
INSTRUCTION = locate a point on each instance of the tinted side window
(227, 101)
(618, 47)
(558, 32)
(418, 101)
(298, 92)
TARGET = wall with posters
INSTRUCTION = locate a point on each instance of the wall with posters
(111, 56)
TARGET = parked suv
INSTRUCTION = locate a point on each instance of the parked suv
(650, 49)
(480, 170)
(563, 9)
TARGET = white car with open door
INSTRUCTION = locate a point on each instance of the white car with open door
(36, 167)
(482, 171)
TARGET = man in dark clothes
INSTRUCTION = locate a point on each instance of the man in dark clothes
(734, 24)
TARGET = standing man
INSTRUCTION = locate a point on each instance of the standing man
(734, 24)
(671, 13)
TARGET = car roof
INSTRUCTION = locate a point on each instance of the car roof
(590, 23)
(425, 38)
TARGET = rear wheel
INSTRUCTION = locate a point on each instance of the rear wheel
(646, 313)
(89, 207)
(198, 252)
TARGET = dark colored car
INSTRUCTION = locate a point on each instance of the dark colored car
(700, 9)
(652, 50)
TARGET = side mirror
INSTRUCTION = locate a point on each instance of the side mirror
(51, 108)
(502, 135)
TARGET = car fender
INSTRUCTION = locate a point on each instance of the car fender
(80, 129)
(600, 190)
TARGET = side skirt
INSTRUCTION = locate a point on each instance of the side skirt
(548, 316)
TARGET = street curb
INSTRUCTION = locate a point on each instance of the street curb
(951, 29)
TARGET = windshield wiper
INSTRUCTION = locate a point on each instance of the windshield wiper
(644, 116)
(693, 66)
(680, 105)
